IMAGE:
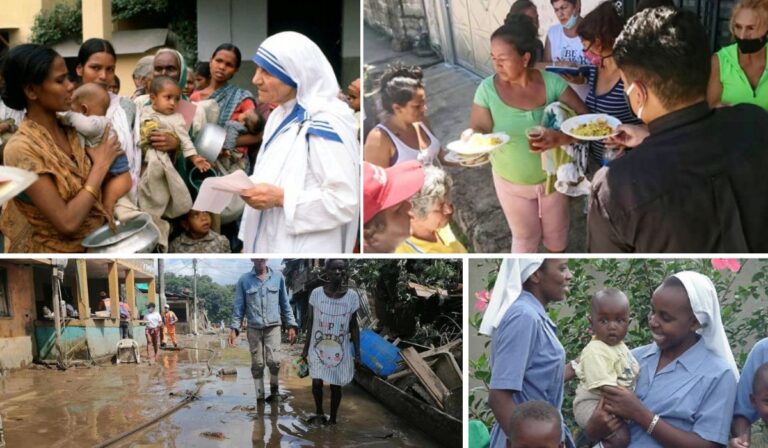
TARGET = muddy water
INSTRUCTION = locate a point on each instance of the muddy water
(82, 407)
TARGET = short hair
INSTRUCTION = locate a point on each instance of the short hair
(399, 83)
(533, 410)
(519, 7)
(760, 7)
(761, 377)
(329, 260)
(519, 32)
(144, 67)
(151, 305)
(229, 47)
(203, 69)
(646, 4)
(603, 23)
(25, 65)
(437, 186)
(607, 292)
(573, 2)
(160, 82)
(668, 50)
(91, 91)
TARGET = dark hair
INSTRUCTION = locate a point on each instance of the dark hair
(159, 82)
(761, 375)
(25, 65)
(668, 50)
(519, 7)
(92, 46)
(117, 82)
(573, 2)
(603, 23)
(233, 49)
(203, 69)
(537, 410)
(518, 31)
(607, 292)
(645, 4)
(328, 262)
(398, 84)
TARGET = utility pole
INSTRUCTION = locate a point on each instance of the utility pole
(194, 296)
(161, 274)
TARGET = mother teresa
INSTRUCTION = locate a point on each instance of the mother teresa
(306, 175)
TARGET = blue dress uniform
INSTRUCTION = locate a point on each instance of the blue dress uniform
(528, 359)
(689, 393)
(757, 357)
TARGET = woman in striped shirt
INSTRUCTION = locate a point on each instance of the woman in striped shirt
(333, 314)
(598, 31)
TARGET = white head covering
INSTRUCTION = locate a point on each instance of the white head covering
(706, 307)
(509, 284)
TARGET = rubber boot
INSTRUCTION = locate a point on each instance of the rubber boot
(260, 391)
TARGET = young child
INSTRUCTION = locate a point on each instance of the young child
(198, 238)
(250, 122)
(535, 424)
(333, 316)
(88, 116)
(759, 397)
(605, 361)
(161, 115)
(202, 75)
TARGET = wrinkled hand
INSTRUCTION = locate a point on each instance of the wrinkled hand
(629, 136)
(232, 337)
(622, 402)
(739, 442)
(106, 151)
(200, 163)
(263, 196)
(549, 139)
(291, 335)
(162, 141)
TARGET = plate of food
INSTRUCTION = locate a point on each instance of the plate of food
(563, 70)
(13, 181)
(478, 143)
(591, 127)
(468, 161)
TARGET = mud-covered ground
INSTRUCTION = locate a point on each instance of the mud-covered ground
(87, 406)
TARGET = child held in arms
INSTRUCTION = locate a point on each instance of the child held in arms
(605, 361)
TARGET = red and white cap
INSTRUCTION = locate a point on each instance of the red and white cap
(387, 187)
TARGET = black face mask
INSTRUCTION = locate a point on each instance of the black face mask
(749, 46)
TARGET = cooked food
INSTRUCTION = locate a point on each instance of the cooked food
(595, 128)
(484, 141)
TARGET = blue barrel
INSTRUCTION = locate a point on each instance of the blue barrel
(378, 354)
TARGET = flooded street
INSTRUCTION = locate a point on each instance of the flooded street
(87, 406)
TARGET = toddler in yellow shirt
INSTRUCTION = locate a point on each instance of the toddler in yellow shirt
(605, 361)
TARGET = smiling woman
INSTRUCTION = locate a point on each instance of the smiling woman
(56, 212)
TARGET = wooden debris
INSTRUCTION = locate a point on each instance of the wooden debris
(427, 377)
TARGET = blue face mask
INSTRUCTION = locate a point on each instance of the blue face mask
(571, 22)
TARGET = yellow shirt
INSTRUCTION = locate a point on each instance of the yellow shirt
(601, 364)
(446, 244)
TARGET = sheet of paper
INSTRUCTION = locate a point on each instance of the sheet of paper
(217, 192)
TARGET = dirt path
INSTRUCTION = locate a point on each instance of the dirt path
(82, 407)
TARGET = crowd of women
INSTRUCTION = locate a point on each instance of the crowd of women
(298, 142)
(653, 74)
(685, 390)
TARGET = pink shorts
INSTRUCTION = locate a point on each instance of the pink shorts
(533, 216)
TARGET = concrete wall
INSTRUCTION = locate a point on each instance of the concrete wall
(18, 17)
(386, 15)
(126, 63)
(16, 331)
(350, 47)
(94, 341)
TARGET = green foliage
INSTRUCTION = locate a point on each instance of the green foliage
(215, 298)
(60, 23)
(128, 9)
(638, 278)
(378, 275)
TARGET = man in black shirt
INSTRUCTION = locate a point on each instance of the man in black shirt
(699, 181)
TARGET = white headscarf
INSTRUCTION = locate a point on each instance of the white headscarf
(298, 62)
(509, 284)
(706, 307)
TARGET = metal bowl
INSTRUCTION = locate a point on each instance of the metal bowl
(134, 236)
(210, 140)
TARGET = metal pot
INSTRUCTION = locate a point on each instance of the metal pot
(134, 236)
(210, 140)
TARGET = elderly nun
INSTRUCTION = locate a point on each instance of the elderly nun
(306, 174)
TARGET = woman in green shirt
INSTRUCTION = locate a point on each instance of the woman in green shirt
(738, 70)
(512, 101)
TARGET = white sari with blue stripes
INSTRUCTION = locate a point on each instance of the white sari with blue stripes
(311, 150)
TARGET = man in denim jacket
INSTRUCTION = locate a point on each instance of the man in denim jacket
(262, 298)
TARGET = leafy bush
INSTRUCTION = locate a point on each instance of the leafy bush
(128, 9)
(60, 23)
(638, 278)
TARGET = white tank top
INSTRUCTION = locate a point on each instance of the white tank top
(569, 49)
(405, 152)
